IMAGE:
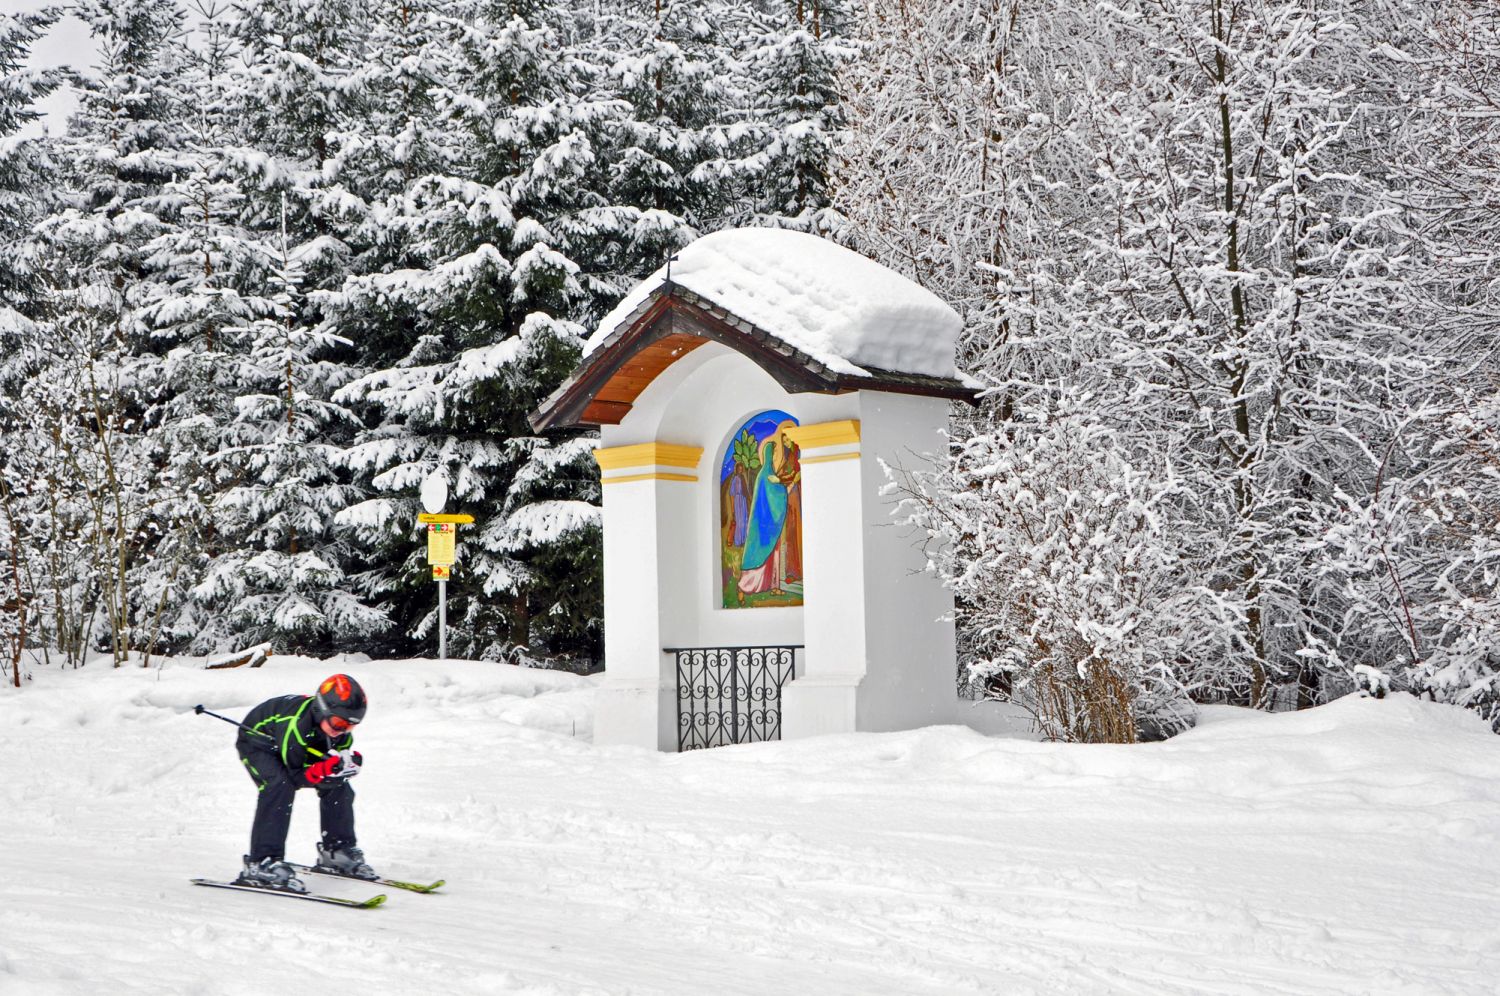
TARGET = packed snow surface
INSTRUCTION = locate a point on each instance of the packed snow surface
(1348, 849)
(844, 310)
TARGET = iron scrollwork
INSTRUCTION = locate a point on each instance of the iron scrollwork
(730, 695)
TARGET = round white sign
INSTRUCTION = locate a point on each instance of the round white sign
(435, 492)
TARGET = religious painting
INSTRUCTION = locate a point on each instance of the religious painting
(760, 515)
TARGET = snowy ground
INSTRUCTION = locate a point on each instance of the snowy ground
(1351, 849)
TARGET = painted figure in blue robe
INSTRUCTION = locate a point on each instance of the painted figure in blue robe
(761, 568)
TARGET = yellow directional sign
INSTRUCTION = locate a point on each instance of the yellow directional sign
(456, 518)
(442, 572)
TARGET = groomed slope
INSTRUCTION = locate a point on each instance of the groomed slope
(1347, 849)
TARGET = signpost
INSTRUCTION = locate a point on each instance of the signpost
(442, 537)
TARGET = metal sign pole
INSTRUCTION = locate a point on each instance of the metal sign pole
(442, 620)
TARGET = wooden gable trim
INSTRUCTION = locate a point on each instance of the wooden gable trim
(672, 322)
(598, 394)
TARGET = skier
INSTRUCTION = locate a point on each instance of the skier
(303, 741)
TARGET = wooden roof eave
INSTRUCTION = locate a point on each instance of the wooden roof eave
(903, 383)
(671, 310)
(667, 312)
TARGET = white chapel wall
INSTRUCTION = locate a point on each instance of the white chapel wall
(908, 612)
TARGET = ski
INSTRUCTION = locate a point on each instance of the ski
(312, 897)
(389, 883)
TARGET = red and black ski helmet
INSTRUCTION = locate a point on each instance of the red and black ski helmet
(340, 696)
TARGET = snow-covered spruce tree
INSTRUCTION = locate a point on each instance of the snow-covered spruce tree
(281, 578)
(22, 162)
(484, 322)
(669, 155)
(398, 138)
(206, 281)
(290, 226)
(297, 96)
(23, 199)
(91, 390)
(1154, 202)
(793, 72)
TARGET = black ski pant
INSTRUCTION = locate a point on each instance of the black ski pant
(273, 808)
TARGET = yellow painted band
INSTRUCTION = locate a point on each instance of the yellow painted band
(831, 457)
(647, 477)
(825, 433)
(648, 455)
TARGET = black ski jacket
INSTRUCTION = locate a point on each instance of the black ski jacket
(286, 728)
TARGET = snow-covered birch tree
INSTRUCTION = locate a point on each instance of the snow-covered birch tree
(1160, 205)
(1441, 503)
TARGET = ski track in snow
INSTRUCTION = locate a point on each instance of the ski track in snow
(1347, 849)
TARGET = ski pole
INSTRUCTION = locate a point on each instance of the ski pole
(255, 733)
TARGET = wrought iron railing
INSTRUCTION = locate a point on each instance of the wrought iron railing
(730, 695)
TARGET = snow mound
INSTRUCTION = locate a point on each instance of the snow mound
(838, 307)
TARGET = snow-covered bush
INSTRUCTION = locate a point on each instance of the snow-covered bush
(1460, 660)
(1065, 548)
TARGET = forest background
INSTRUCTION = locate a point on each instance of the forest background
(1228, 271)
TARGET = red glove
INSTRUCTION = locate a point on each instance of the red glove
(339, 764)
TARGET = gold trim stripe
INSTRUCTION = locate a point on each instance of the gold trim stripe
(647, 477)
(648, 455)
(821, 434)
(830, 458)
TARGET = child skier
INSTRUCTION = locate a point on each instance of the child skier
(301, 741)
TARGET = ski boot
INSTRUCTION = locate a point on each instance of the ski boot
(347, 861)
(270, 873)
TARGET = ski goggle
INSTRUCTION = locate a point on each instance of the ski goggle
(340, 724)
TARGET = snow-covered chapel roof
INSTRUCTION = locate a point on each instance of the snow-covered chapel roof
(843, 310)
(815, 315)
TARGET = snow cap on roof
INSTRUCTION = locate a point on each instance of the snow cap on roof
(836, 306)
